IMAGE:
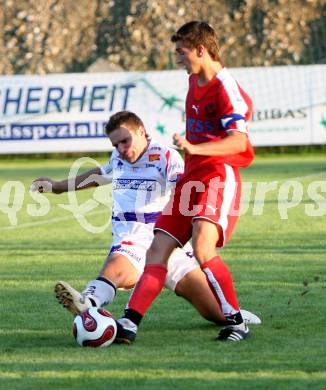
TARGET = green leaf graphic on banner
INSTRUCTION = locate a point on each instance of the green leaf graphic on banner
(170, 101)
(323, 122)
(160, 128)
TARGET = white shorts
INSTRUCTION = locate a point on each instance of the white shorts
(181, 261)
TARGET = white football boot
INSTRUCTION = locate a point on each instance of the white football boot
(250, 318)
(73, 300)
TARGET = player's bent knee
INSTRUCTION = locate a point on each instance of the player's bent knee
(205, 237)
(202, 253)
(161, 248)
(119, 270)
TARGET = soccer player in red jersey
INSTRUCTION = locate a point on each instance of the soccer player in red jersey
(207, 196)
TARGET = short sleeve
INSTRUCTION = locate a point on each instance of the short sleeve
(107, 168)
(174, 166)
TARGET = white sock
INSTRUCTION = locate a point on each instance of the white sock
(102, 290)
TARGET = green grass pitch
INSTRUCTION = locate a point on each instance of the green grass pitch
(278, 265)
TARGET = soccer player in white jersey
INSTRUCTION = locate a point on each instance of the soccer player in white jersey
(143, 173)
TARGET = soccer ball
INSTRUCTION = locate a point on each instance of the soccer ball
(95, 327)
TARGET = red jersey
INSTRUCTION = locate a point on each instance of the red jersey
(211, 111)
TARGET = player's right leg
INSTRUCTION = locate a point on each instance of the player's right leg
(118, 272)
(148, 287)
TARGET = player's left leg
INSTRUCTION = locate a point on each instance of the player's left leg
(194, 288)
(212, 227)
(205, 236)
(187, 280)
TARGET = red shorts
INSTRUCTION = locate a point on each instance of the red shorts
(213, 195)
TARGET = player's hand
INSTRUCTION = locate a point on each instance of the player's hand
(183, 144)
(45, 184)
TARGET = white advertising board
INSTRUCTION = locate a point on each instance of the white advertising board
(67, 112)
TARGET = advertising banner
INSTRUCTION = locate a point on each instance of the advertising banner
(67, 112)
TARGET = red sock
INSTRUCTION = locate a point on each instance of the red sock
(220, 281)
(148, 287)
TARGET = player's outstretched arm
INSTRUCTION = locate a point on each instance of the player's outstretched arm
(91, 178)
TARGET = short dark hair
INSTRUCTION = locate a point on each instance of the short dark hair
(123, 118)
(197, 33)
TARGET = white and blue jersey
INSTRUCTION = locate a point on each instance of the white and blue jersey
(141, 190)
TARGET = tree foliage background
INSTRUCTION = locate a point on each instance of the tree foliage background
(51, 36)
